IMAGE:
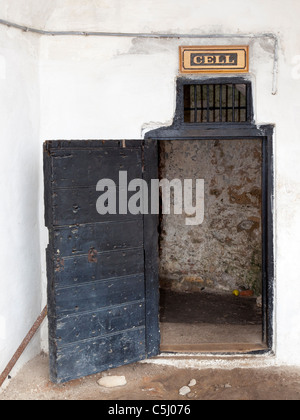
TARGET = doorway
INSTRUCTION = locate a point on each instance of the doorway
(211, 275)
(214, 137)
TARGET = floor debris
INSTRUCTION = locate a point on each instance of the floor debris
(184, 390)
(112, 381)
(192, 383)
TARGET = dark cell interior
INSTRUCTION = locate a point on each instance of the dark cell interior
(201, 266)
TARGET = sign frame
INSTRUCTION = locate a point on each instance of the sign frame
(214, 59)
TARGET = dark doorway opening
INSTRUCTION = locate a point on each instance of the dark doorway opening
(201, 266)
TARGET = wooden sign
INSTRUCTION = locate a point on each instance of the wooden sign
(225, 59)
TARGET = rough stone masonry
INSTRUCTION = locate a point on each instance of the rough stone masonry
(225, 252)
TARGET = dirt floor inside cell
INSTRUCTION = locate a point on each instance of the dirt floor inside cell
(209, 308)
(209, 322)
(158, 382)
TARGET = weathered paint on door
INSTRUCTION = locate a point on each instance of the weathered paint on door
(102, 270)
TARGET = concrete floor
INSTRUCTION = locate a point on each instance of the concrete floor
(210, 338)
(162, 382)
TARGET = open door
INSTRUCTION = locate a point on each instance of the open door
(103, 303)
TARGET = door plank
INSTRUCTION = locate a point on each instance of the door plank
(89, 325)
(99, 294)
(88, 357)
(99, 236)
(74, 206)
(82, 168)
(89, 268)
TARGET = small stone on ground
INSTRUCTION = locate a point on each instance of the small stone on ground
(184, 390)
(193, 382)
(112, 381)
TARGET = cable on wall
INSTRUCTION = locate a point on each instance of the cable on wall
(270, 36)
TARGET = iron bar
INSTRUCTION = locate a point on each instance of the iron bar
(233, 103)
(207, 99)
(195, 103)
(23, 346)
(227, 102)
(221, 104)
(239, 106)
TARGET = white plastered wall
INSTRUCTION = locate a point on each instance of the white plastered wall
(20, 278)
(118, 88)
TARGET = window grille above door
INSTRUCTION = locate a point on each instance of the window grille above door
(217, 102)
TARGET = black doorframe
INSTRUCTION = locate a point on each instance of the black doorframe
(230, 131)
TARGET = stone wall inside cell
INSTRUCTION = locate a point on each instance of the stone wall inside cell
(225, 251)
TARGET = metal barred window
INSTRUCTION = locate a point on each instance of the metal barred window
(218, 103)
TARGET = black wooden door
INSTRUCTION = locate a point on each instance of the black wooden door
(102, 269)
